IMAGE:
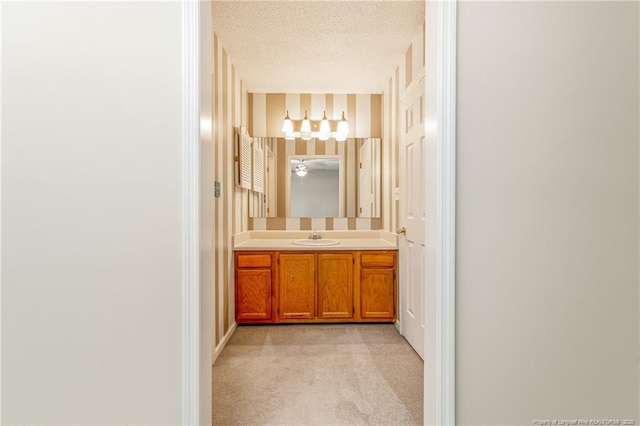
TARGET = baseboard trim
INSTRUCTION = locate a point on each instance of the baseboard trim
(223, 342)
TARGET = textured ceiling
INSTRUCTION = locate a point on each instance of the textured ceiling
(316, 46)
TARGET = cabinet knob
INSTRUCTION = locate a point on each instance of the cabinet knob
(401, 231)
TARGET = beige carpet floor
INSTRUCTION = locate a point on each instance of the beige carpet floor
(319, 374)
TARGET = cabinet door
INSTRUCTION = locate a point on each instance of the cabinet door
(377, 293)
(253, 295)
(297, 286)
(335, 286)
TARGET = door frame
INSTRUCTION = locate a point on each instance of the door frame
(190, 188)
(440, 131)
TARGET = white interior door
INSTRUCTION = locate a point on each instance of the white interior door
(412, 217)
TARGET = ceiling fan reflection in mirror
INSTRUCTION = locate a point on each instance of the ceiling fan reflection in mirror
(302, 166)
(301, 169)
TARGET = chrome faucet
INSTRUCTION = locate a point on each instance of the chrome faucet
(315, 235)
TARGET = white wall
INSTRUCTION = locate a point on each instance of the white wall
(547, 226)
(316, 194)
(91, 260)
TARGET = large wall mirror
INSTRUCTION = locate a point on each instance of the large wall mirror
(321, 178)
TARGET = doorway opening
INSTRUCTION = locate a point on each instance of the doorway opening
(439, 255)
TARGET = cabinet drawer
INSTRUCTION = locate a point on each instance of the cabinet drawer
(377, 259)
(254, 261)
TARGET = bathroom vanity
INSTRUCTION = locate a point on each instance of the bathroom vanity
(280, 279)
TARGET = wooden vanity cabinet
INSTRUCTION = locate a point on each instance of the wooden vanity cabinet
(316, 286)
(335, 286)
(297, 286)
(254, 279)
(377, 286)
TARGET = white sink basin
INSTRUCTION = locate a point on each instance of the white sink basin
(320, 242)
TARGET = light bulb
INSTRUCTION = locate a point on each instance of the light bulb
(301, 173)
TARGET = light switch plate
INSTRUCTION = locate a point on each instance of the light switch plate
(216, 189)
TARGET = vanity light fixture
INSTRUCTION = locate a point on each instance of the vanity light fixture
(324, 132)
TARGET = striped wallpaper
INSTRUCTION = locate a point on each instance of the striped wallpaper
(310, 223)
(267, 110)
(231, 209)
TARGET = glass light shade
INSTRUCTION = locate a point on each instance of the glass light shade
(343, 129)
(287, 125)
(301, 173)
(305, 128)
(325, 129)
(290, 136)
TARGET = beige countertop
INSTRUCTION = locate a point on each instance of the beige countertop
(283, 240)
